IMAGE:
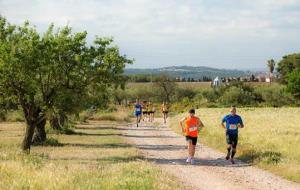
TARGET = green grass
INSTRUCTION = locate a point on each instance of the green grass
(96, 157)
(270, 139)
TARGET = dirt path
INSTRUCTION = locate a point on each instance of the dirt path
(211, 172)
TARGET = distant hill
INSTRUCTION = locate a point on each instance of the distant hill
(189, 72)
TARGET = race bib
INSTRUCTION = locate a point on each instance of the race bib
(138, 109)
(191, 129)
(232, 126)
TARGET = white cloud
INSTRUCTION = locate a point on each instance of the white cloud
(147, 27)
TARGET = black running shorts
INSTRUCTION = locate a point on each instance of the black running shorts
(193, 139)
(232, 139)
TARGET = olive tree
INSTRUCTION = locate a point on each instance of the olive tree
(53, 71)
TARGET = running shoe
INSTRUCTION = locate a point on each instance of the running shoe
(188, 160)
(232, 161)
(227, 156)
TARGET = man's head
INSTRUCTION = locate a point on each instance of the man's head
(137, 101)
(233, 110)
(192, 112)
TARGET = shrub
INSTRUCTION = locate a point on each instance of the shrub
(293, 85)
(237, 96)
(2, 115)
(181, 93)
(275, 96)
(211, 95)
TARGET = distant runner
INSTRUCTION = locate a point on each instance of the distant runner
(233, 122)
(137, 112)
(164, 109)
(190, 127)
(149, 109)
(151, 112)
(145, 112)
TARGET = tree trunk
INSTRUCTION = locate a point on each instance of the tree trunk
(30, 126)
(62, 119)
(54, 122)
(39, 132)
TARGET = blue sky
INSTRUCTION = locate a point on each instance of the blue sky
(235, 34)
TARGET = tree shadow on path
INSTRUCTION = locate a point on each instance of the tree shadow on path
(198, 162)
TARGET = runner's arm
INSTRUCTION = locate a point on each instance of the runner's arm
(241, 123)
(200, 123)
(181, 123)
(222, 123)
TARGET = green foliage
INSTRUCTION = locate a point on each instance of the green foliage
(57, 71)
(165, 87)
(143, 93)
(287, 65)
(293, 84)
(212, 95)
(275, 96)
(181, 93)
(271, 65)
(237, 96)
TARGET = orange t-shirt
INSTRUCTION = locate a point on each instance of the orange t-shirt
(191, 126)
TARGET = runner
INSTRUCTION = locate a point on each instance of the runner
(149, 110)
(190, 126)
(165, 111)
(145, 113)
(137, 112)
(152, 112)
(233, 122)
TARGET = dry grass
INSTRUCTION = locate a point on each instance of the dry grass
(121, 116)
(96, 157)
(194, 85)
(270, 139)
(200, 85)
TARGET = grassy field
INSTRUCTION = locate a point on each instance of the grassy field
(270, 139)
(197, 85)
(194, 85)
(96, 157)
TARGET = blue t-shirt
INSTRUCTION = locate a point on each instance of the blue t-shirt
(232, 122)
(138, 108)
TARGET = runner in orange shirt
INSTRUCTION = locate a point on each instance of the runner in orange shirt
(190, 126)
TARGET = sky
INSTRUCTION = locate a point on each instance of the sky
(230, 34)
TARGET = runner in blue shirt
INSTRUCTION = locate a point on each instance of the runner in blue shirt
(233, 123)
(137, 112)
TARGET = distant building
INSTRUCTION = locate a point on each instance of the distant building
(217, 82)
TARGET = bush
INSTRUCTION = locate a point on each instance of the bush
(181, 93)
(2, 115)
(142, 93)
(211, 95)
(237, 96)
(293, 85)
(275, 96)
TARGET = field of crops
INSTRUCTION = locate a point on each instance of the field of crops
(270, 139)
